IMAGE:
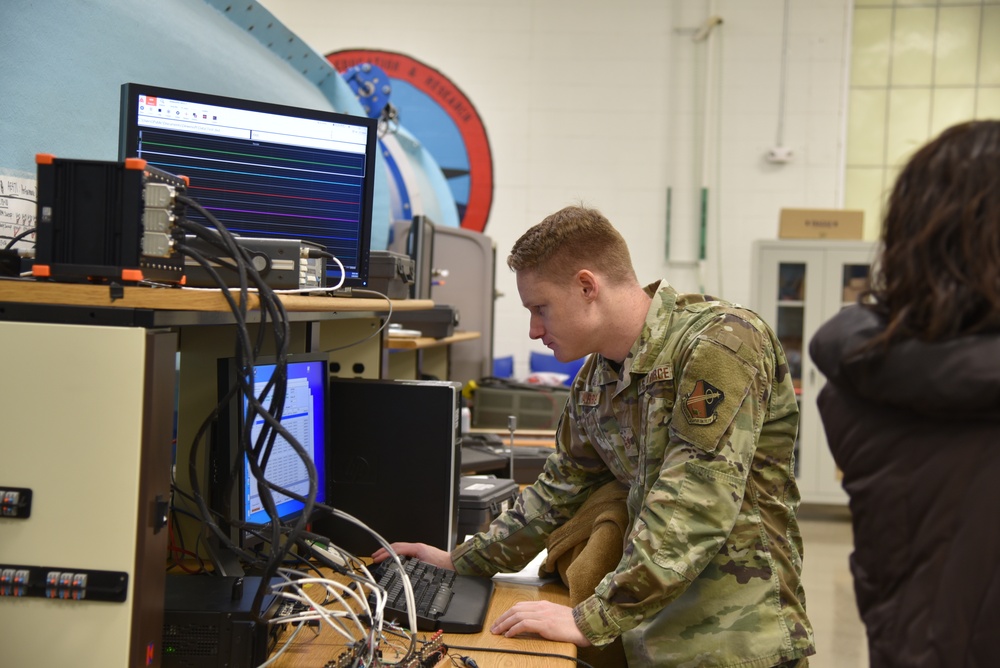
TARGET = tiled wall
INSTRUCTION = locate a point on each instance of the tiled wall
(917, 68)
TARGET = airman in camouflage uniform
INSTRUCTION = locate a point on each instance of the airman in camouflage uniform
(700, 423)
(698, 419)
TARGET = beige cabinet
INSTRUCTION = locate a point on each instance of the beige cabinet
(797, 286)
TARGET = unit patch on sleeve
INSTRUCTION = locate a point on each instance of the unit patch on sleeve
(702, 402)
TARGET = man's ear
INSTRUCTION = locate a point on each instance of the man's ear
(588, 284)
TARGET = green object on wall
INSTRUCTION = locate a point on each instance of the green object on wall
(703, 225)
(666, 245)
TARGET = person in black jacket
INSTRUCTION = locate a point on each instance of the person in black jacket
(911, 411)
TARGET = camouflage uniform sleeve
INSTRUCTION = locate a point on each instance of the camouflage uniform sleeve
(516, 536)
(699, 443)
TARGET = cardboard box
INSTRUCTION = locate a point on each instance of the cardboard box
(853, 289)
(821, 224)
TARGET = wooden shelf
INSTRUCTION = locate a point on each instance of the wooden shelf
(185, 299)
(423, 342)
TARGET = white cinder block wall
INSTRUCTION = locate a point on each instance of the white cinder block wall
(603, 103)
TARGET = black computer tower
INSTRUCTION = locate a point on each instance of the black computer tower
(393, 462)
(207, 622)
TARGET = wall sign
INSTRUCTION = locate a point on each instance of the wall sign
(435, 111)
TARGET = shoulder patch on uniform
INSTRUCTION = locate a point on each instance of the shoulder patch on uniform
(660, 373)
(729, 340)
(589, 398)
(702, 402)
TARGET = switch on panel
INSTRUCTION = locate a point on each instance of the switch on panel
(14, 582)
(67, 584)
(15, 502)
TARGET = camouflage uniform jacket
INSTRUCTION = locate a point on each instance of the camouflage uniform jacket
(700, 423)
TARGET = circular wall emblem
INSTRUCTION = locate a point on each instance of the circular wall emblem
(434, 110)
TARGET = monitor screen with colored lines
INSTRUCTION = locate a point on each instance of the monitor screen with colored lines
(263, 170)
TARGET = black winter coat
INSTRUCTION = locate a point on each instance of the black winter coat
(916, 432)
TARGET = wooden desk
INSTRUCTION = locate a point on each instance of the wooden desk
(506, 595)
(310, 650)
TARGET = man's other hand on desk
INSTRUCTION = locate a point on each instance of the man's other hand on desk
(549, 620)
(425, 553)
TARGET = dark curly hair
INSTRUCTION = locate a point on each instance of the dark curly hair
(938, 273)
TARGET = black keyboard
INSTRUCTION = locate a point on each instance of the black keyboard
(445, 601)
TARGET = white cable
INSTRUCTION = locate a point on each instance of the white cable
(332, 619)
(330, 586)
(343, 272)
(369, 583)
(284, 647)
(411, 606)
(341, 557)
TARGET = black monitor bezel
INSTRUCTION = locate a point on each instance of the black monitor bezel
(226, 496)
(128, 139)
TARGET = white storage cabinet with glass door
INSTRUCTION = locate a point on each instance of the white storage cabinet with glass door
(797, 286)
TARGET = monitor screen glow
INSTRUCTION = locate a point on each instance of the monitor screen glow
(235, 490)
(303, 417)
(264, 170)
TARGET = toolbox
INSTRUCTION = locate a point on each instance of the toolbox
(438, 322)
(481, 500)
(391, 274)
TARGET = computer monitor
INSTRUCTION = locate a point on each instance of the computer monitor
(264, 170)
(235, 490)
(415, 238)
(393, 462)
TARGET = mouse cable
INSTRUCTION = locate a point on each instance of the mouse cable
(500, 650)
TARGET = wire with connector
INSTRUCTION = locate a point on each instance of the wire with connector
(264, 407)
(354, 610)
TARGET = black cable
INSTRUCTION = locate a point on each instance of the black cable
(14, 239)
(265, 406)
(546, 655)
(258, 453)
(316, 252)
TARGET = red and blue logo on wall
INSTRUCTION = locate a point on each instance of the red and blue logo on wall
(439, 114)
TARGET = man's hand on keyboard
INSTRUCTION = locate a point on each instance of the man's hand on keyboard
(421, 551)
(549, 620)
